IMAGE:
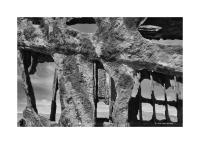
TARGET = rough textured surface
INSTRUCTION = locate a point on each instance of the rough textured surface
(76, 90)
(117, 39)
(34, 120)
(117, 44)
(123, 77)
(103, 86)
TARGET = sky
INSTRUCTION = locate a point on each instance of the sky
(42, 82)
(86, 28)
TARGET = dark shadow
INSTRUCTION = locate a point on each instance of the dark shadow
(22, 123)
(112, 98)
(133, 107)
(113, 90)
(180, 112)
(83, 20)
(172, 28)
(53, 111)
(100, 122)
(53, 102)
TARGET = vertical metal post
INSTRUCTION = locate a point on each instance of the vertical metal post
(95, 88)
(179, 102)
(166, 106)
(153, 99)
(140, 102)
(108, 80)
(53, 102)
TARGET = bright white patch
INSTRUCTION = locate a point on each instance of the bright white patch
(107, 78)
(98, 50)
(102, 110)
(163, 63)
(126, 69)
(43, 102)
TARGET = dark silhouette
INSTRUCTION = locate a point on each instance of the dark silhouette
(133, 108)
(112, 98)
(53, 103)
(25, 58)
(22, 123)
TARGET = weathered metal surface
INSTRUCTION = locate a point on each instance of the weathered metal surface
(117, 45)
